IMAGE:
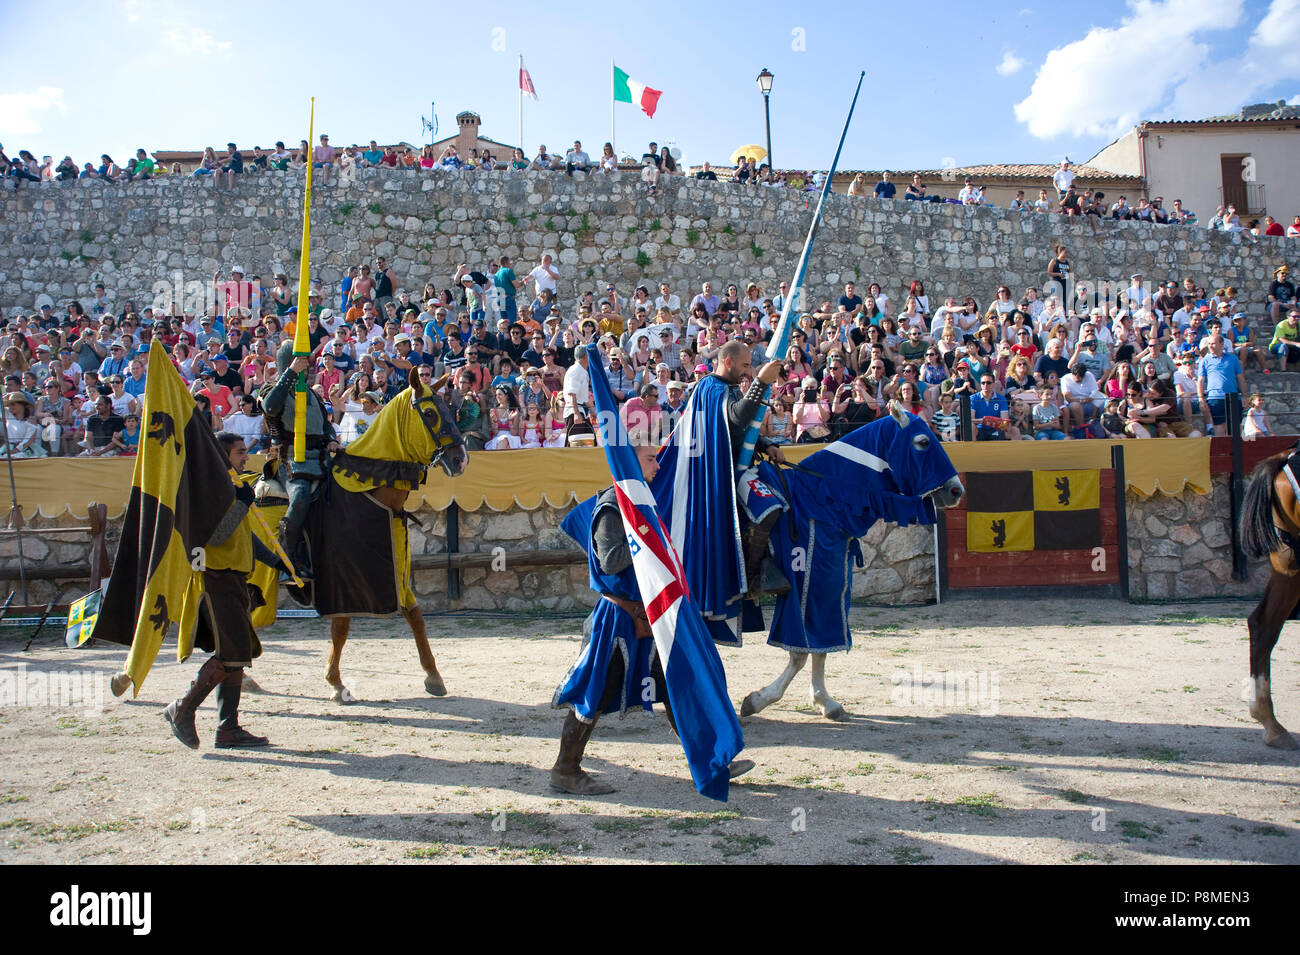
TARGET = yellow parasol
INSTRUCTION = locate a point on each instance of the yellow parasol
(754, 154)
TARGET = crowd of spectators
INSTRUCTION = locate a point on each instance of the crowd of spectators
(1147, 360)
(335, 163)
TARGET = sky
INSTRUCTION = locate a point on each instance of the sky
(961, 84)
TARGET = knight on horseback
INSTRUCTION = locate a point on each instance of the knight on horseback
(301, 480)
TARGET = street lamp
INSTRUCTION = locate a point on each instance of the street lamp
(765, 87)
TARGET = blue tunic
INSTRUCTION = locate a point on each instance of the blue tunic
(608, 629)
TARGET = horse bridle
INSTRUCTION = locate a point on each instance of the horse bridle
(441, 440)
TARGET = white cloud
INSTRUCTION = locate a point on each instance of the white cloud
(131, 10)
(20, 112)
(1010, 64)
(194, 41)
(1113, 76)
(1272, 55)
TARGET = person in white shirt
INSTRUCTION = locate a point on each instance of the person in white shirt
(1082, 396)
(577, 159)
(358, 417)
(545, 277)
(668, 300)
(968, 194)
(1063, 178)
(1135, 295)
(1042, 203)
(577, 394)
(246, 423)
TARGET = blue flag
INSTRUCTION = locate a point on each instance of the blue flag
(697, 687)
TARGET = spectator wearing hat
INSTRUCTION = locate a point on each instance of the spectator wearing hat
(221, 400)
(23, 436)
(1281, 293)
(1242, 338)
(623, 379)
(673, 405)
(116, 363)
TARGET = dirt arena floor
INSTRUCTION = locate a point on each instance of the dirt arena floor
(1087, 732)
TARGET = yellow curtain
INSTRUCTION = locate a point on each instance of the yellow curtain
(501, 480)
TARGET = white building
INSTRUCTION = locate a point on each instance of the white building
(1251, 159)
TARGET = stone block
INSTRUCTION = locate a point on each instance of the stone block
(1184, 534)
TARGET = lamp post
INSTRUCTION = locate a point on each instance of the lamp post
(765, 86)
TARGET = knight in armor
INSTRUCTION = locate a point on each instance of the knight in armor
(734, 364)
(301, 479)
(618, 663)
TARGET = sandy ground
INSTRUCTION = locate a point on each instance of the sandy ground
(1114, 734)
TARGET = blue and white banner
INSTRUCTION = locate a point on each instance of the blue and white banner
(697, 687)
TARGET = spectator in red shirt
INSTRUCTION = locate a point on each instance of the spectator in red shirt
(220, 398)
(1273, 227)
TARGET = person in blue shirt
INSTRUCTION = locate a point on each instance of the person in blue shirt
(505, 280)
(1218, 374)
(885, 189)
(988, 406)
(115, 363)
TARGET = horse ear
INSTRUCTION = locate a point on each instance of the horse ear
(898, 414)
(441, 383)
(413, 379)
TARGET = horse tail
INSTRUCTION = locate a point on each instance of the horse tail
(1259, 536)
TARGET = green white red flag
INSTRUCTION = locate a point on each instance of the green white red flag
(627, 90)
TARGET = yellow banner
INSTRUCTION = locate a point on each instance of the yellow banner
(997, 533)
(301, 336)
(1067, 490)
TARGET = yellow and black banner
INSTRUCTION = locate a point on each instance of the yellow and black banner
(1032, 510)
(179, 493)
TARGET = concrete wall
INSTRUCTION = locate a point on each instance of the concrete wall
(1188, 165)
(64, 237)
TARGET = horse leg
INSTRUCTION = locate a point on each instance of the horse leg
(829, 707)
(432, 679)
(1265, 625)
(339, 627)
(761, 699)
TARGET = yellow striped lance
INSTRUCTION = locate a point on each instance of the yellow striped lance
(301, 338)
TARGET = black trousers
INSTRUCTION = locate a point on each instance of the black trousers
(614, 685)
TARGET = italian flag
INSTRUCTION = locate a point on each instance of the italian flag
(630, 91)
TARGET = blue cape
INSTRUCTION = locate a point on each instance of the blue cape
(695, 492)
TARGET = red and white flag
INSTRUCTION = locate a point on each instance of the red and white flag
(526, 81)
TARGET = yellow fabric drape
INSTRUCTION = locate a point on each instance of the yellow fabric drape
(558, 477)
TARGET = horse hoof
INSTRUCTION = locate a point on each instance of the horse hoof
(120, 684)
(342, 694)
(1283, 740)
(579, 784)
(434, 686)
(251, 685)
(837, 713)
(747, 707)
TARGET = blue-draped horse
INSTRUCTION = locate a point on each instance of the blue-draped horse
(894, 470)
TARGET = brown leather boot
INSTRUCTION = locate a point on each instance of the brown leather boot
(180, 713)
(230, 735)
(567, 775)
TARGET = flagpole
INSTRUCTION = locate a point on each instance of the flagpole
(301, 338)
(783, 327)
(613, 143)
(521, 103)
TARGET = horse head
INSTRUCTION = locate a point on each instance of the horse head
(440, 422)
(917, 461)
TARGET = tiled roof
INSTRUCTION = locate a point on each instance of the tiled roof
(1279, 112)
(995, 171)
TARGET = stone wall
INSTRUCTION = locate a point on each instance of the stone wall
(63, 237)
(899, 561)
(1181, 547)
